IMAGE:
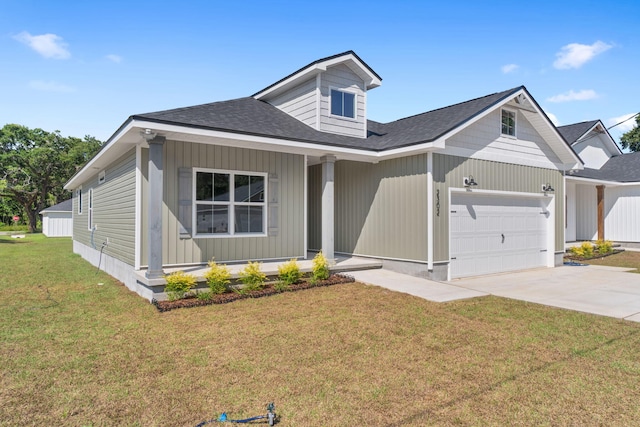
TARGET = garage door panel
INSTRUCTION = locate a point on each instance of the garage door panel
(490, 234)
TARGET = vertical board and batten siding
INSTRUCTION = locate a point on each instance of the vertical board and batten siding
(341, 77)
(57, 224)
(299, 102)
(380, 209)
(483, 140)
(289, 241)
(587, 212)
(113, 210)
(314, 207)
(449, 171)
(622, 205)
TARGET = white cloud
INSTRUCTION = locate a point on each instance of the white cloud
(115, 58)
(509, 68)
(47, 45)
(575, 55)
(50, 86)
(553, 118)
(626, 122)
(583, 95)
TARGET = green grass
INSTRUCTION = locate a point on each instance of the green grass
(73, 352)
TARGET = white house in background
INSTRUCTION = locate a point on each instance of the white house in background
(57, 220)
(603, 200)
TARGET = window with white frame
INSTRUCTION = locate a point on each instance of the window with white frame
(79, 200)
(343, 103)
(508, 122)
(229, 202)
(90, 211)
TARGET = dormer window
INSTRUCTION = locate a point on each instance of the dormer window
(343, 104)
(509, 123)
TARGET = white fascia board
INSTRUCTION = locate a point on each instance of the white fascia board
(76, 179)
(578, 180)
(500, 193)
(293, 80)
(369, 78)
(608, 137)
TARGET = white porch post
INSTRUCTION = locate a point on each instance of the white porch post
(328, 229)
(154, 242)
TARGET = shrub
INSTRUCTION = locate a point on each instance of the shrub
(604, 247)
(205, 295)
(320, 269)
(179, 284)
(218, 277)
(585, 250)
(288, 274)
(252, 277)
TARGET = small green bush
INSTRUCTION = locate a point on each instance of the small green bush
(320, 269)
(179, 284)
(288, 274)
(218, 277)
(252, 277)
(604, 247)
(585, 250)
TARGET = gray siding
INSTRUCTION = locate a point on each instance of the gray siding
(113, 210)
(289, 169)
(300, 102)
(341, 77)
(448, 171)
(380, 209)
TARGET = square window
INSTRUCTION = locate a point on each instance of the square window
(508, 123)
(212, 219)
(343, 103)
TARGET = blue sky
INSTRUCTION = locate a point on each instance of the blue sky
(83, 67)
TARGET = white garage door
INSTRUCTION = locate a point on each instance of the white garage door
(492, 234)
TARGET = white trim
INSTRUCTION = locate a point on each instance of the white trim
(231, 204)
(515, 123)
(318, 99)
(601, 181)
(137, 238)
(498, 193)
(610, 140)
(502, 158)
(355, 104)
(79, 200)
(430, 217)
(90, 221)
(306, 201)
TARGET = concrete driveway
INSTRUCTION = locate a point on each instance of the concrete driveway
(606, 291)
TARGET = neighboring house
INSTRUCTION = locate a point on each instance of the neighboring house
(603, 200)
(298, 166)
(57, 220)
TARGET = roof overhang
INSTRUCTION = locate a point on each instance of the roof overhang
(130, 135)
(583, 180)
(600, 128)
(350, 59)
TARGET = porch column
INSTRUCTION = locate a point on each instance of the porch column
(600, 190)
(328, 229)
(154, 207)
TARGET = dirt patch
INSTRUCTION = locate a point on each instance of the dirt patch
(267, 290)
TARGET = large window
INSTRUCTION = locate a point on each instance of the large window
(343, 104)
(508, 122)
(230, 203)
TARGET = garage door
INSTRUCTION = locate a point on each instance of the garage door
(492, 234)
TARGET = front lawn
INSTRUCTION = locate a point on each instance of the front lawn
(77, 348)
(628, 259)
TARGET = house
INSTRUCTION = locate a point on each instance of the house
(57, 220)
(472, 188)
(603, 199)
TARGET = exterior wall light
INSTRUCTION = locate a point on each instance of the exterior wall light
(469, 181)
(547, 188)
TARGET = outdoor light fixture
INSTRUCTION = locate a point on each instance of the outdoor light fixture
(469, 181)
(547, 188)
(148, 134)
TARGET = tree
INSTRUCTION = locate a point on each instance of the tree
(631, 139)
(35, 165)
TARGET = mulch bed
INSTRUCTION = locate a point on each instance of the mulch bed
(595, 256)
(267, 290)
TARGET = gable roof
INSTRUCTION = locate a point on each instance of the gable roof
(253, 117)
(370, 77)
(66, 206)
(575, 131)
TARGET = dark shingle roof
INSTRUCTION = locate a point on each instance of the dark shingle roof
(253, 117)
(623, 168)
(66, 206)
(571, 133)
